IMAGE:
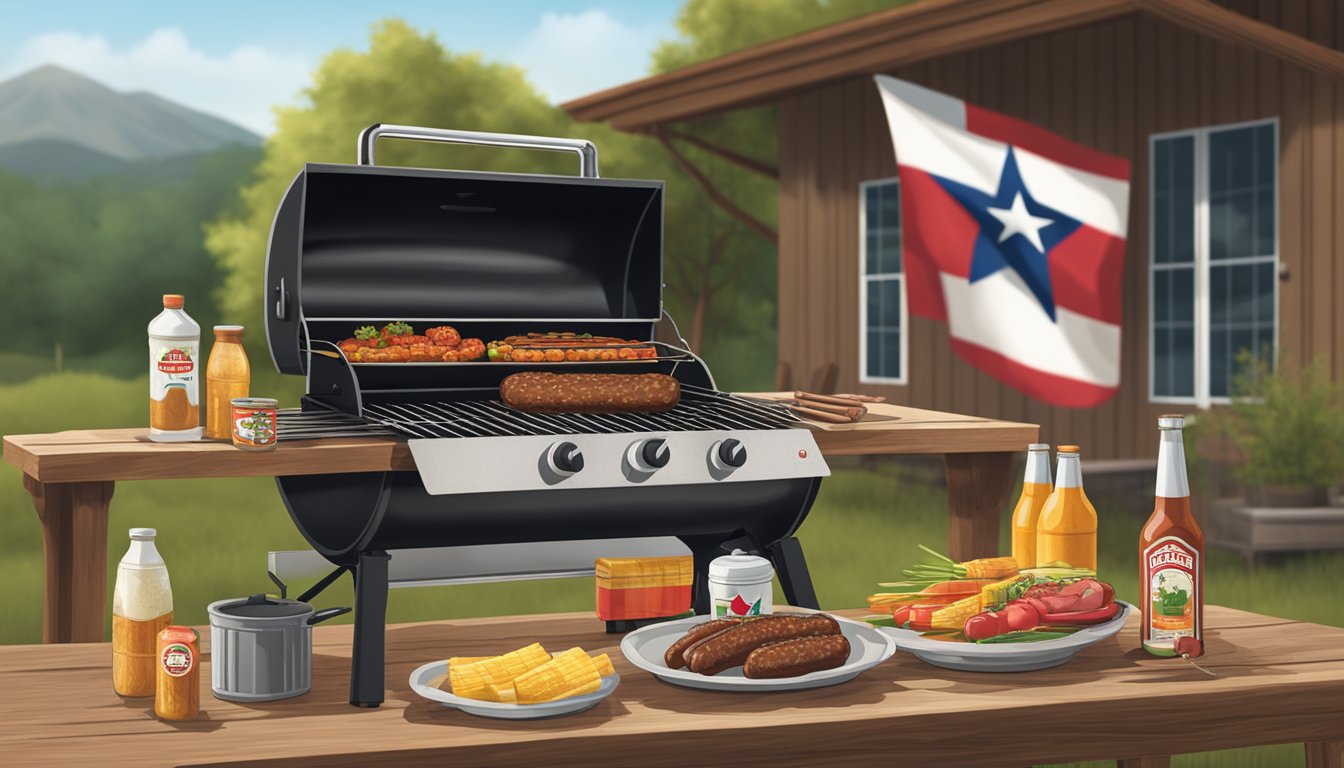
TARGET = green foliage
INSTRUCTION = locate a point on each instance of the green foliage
(1289, 425)
(85, 264)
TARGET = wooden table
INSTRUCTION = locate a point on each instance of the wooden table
(71, 476)
(1278, 682)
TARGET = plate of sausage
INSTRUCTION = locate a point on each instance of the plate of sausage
(778, 652)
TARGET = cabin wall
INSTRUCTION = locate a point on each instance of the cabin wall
(1109, 85)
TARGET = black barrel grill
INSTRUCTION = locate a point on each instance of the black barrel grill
(497, 254)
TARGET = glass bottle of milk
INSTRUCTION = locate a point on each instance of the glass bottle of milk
(142, 605)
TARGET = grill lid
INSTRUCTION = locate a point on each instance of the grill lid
(370, 243)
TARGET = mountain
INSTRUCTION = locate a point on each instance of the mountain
(55, 123)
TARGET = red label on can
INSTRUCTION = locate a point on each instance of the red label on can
(254, 427)
(1171, 584)
(177, 659)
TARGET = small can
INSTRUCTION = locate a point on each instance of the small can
(739, 585)
(177, 690)
(254, 425)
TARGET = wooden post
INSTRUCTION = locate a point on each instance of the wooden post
(1325, 754)
(74, 537)
(978, 485)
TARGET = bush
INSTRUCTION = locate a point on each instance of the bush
(1289, 425)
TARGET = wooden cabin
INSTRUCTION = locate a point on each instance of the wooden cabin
(1231, 112)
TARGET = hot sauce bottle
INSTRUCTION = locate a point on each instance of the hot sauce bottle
(1171, 553)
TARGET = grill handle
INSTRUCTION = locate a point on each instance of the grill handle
(585, 149)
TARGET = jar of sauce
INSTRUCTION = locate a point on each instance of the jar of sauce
(227, 377)
(254, 423)
(177, 693)
(739, 585)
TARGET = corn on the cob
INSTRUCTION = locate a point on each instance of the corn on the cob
(504, 692)
(604, 667)
(954, 616)
(472, 680)
(990, 568)
(560, 677)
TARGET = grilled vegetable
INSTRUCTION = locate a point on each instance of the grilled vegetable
(510, 678)
(397, 329)
(945, 568)
(473, 681)
(366, 333)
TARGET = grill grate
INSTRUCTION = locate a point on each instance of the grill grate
(294, 424)
(699, 410)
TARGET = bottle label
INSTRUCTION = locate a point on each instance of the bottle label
(173, 363)
(177, 659)
(1171, 580)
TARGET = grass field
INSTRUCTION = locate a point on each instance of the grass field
(214, 535)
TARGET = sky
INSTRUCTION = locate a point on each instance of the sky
(237, 58)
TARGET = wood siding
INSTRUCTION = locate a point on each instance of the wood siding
(1109, 85)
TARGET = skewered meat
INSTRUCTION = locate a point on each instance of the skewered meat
(569, 348)
(539, 392)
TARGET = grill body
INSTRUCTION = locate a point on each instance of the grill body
(495, 255)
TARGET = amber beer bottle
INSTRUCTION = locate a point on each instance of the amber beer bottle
(1066, 531)
(1171, 552)
(1036, 487)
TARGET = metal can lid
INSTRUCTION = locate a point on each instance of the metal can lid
(740, 568)
(1038, 447)
(1069, 449)
(255, 402)
(260, 607)
(143, 534)
(1171, 421)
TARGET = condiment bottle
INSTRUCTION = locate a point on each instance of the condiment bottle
(227, 376)
(142, 605)
(739, 585)
(1036, 489)
(177, 694)
(1066, 531)
(1171, 553)
(174, 362)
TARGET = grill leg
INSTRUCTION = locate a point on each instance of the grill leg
(703, 550)
(787, 557)
(366, 659)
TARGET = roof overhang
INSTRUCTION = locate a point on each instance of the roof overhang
(883, 41)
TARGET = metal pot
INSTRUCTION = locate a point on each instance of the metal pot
(261, 648)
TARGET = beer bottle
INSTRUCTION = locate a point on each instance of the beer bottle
(1066, 531)
(1036, 488)
(1171, 552)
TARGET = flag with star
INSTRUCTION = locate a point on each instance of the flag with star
(1014, 237)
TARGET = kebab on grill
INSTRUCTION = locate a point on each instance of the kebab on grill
(557, 347)
(398, 343)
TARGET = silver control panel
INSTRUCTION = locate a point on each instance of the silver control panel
(535, 462)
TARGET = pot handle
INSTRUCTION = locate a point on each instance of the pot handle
(585, 149)
(326, 613)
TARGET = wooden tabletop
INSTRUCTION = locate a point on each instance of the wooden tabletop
(128, 454)
(1278, 681)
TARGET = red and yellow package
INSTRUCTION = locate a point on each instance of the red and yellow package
(643, 587)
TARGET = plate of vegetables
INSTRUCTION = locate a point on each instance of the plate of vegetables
(988, 616)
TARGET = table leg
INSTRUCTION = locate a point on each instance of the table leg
(978, 485)
(1325, 754)
(74, 539)
(1143, 762)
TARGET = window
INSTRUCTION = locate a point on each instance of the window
(1213, 286)
(882, 311)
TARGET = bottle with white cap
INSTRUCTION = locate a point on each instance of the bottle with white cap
(142, 605)
(1036, 488)
(740, 585)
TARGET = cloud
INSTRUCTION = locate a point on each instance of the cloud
(241, 85)
(570, 55)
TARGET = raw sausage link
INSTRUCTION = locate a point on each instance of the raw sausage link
(790, 658)
(542, 392)
(730, 648)
(676, 653)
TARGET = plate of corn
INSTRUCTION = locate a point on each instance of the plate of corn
(525, 684)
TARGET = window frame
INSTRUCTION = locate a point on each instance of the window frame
(1203, 263)
(865, 279)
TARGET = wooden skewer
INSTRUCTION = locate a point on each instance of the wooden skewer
(826, 416)
(829, 399)
(854, 412)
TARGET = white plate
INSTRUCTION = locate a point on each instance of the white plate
(1005, 657)
(422, 683)
(646, 647)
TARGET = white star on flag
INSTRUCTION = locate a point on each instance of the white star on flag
(1017, 220)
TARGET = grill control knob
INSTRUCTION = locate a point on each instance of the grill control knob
(564, 459)
(648, 456)
(728, 455)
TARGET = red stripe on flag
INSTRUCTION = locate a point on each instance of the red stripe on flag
(937, 235)
(1038, 141)
(1046, 387)
(1087, 272)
